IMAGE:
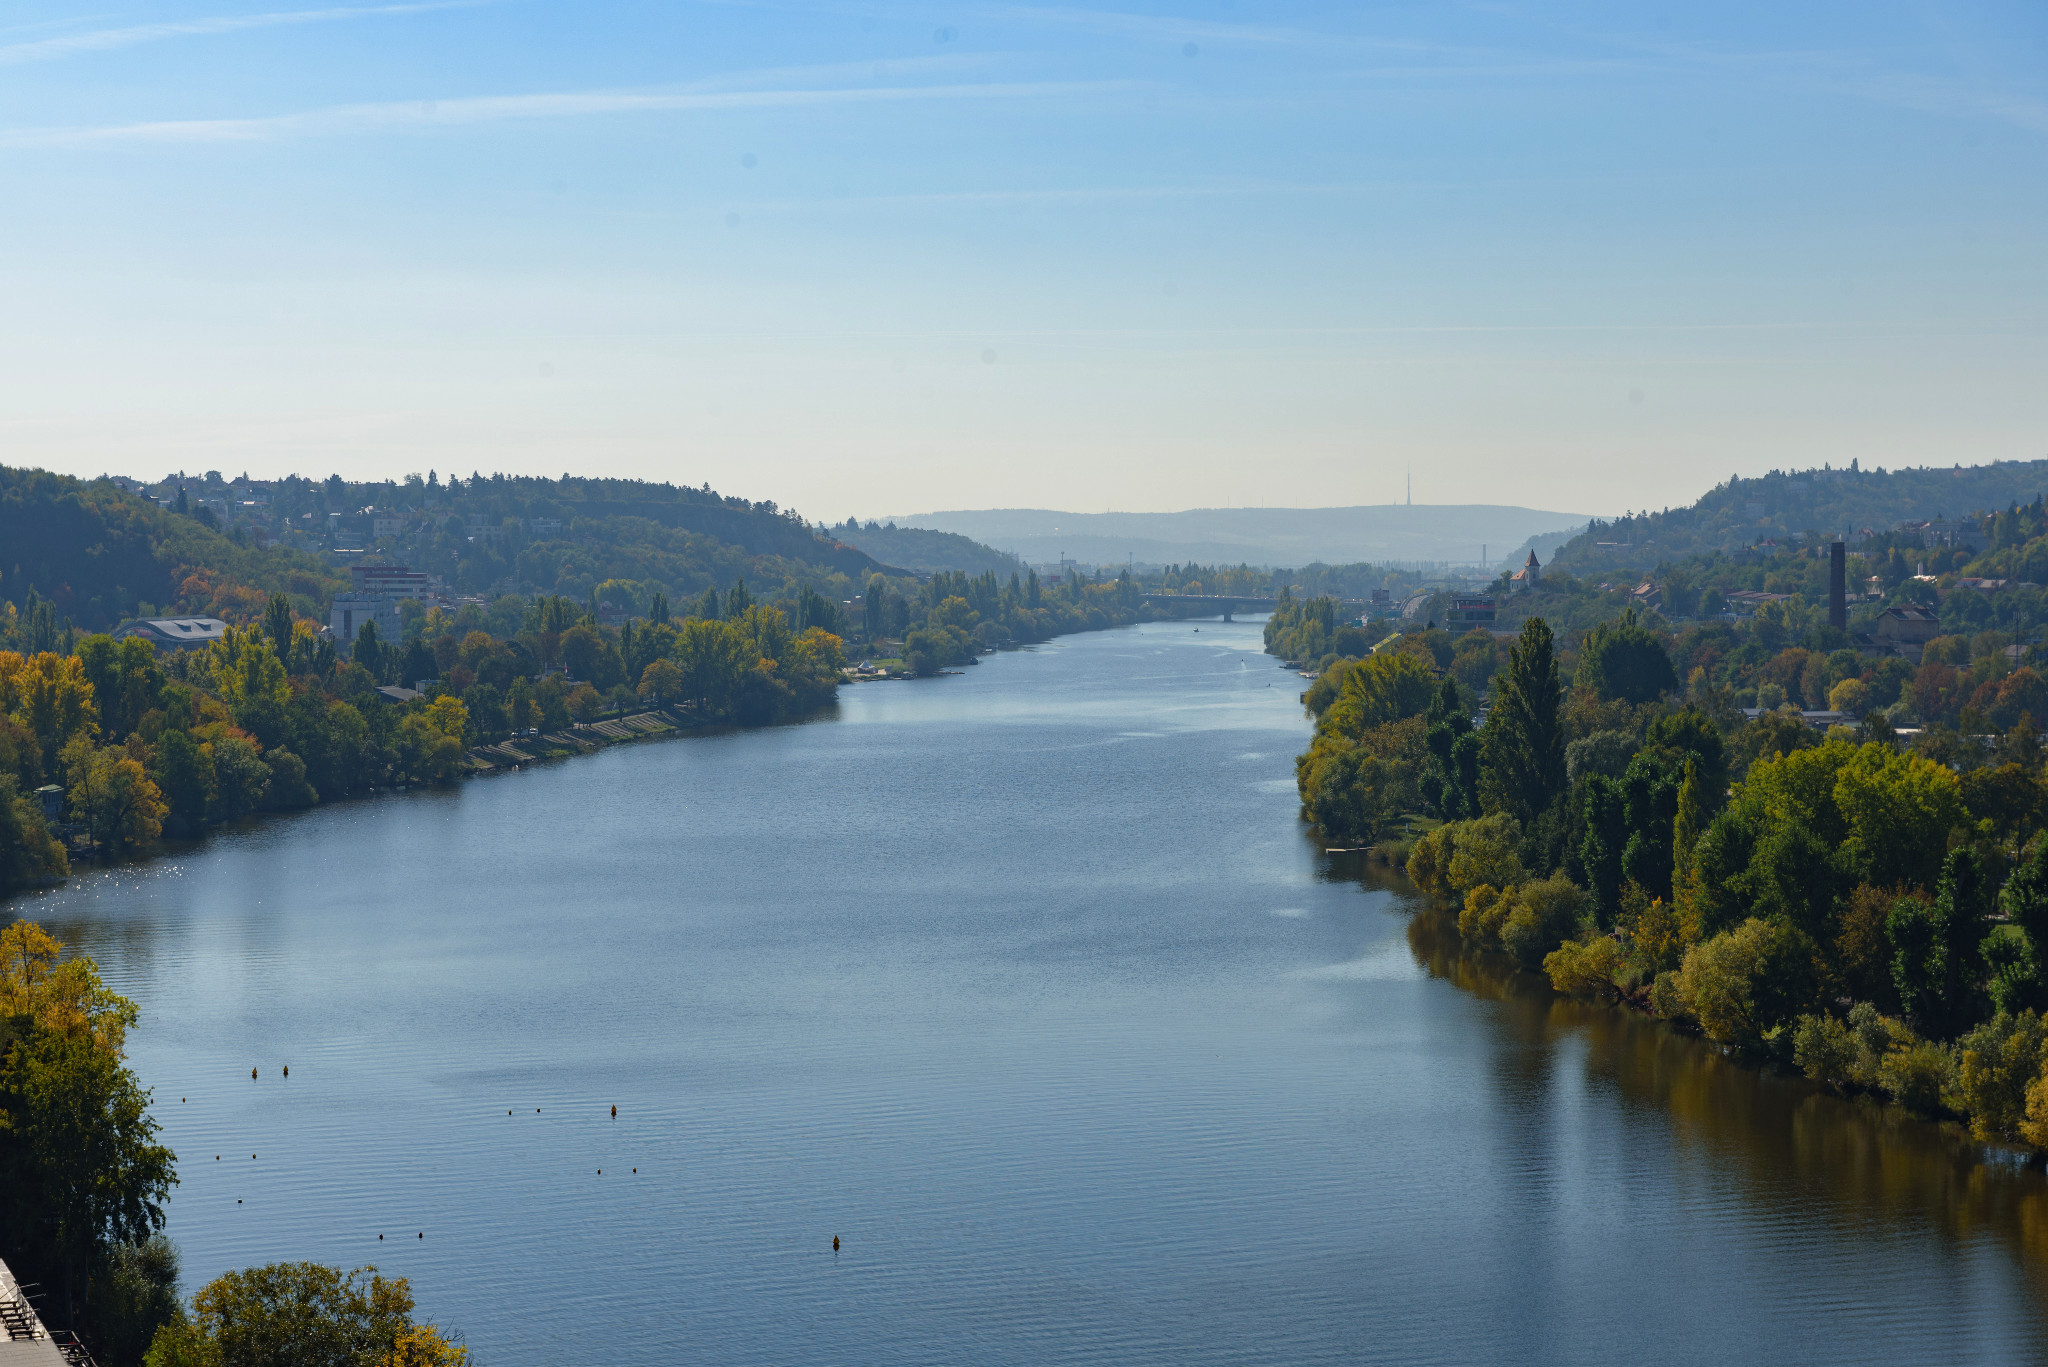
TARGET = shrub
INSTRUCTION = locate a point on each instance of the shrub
(1994, 1065)
(1584, 969)
(1547, 912)
(1665, 998)
(1916, 1075)
(1743, 983)
(1485, 853)
(1485, 909)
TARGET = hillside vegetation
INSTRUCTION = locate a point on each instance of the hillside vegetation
(1789, 503)
(923, 551)
(97, 555)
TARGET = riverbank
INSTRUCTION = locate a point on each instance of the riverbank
(1015, 987)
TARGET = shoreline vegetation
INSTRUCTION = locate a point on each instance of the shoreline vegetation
(1839, 900)
(113, 746)
(84, 1183)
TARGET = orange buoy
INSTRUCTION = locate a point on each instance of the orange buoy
(835, 1243)
(615, 1113)
(252, 1074)
(287, 1070)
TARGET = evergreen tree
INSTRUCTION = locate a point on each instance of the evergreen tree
(738, 600)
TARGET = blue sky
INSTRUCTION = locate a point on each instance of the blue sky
(883, 258)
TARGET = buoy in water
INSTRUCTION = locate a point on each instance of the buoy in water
(287, 1070)
(252, 1074)
(615, 1113)
(835, 1243)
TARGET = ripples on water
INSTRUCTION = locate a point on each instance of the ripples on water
(1029, 986)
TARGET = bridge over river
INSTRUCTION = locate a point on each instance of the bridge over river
(1216, 603)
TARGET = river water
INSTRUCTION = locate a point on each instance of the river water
(1029, 986)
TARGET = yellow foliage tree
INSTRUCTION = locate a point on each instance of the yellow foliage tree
(50, 695)
(64, 996)
(244, 668)
(447, 715)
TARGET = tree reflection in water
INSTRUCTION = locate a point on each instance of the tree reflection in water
(1860, 1166)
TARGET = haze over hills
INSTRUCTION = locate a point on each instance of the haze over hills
(1290, 537)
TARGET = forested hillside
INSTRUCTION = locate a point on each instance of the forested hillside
(97, 554)
(90, 553)
(1786, 503)
(923, 551)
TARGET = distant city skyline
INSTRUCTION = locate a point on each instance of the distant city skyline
(863, 258)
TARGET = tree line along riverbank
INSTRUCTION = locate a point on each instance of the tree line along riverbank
(1868, 908)
(109, 745)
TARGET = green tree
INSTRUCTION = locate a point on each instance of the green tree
(1627, 661)
(1937, 948)
(277, 623)
(368, 651)
(28, 853)
(302, 1314)
(1689, 822)
(873, 606)
(113, 795)
(80, 1168)
(184, 777)
(661, 682)
(135, 1295)
(1747, 982)
(737, 599)
(1449, 781)
(1523, 755)
(1602, 846)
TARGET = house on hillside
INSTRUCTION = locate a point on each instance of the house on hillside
(174, 633)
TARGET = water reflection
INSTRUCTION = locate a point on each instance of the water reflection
(1858, 1166)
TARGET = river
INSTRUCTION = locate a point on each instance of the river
(1029, 986)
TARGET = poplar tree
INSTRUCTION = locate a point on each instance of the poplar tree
(1522, 754)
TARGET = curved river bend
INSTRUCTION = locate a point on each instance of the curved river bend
(1029, 986)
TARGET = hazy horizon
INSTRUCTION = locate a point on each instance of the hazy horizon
(970, 256)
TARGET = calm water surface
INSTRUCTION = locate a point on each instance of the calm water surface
(1027, 985)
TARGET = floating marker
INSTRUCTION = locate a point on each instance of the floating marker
(252, 1074)
(615, 1113)
(287, 1070)
(835, 1243)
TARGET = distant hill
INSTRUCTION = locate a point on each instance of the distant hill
(1785, 504)
(101, 553)
(923, 551)
(1289, 537)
